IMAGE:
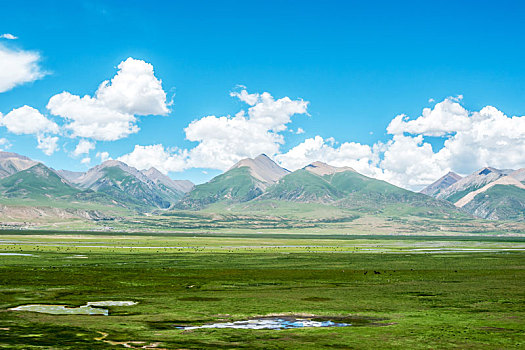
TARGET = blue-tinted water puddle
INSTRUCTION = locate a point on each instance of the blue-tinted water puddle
(271, 323)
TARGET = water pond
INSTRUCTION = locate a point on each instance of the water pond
(91, 308)
(271, 323)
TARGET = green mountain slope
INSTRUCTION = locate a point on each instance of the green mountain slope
(41, 186)
(303, 186)
(244, 181)
(500, 202)
(350, 190)
(235, 185)
(36, 183)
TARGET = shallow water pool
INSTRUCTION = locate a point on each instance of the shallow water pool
(271, 323)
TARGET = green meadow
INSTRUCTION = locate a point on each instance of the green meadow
(397, 292)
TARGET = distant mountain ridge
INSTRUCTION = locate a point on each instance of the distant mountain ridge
(11, 163)
(441, 184)
(262, 168)
(470, 183)
(110, 183)
(488, 193)
(130, 185)
(316, 183)
(344, 187)
(182, 186)
(244, 181)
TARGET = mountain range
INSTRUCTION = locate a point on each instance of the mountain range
(110, 184)
(113, 185)
(487, 193)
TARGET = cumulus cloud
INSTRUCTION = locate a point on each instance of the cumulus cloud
(4, 144)
(86, 160)
(351, 154)
(472, 140)
(27, 120)
(18, 67)
(134, 90)
(83, 147)
(222, 141)
(103, 156)
(111, 113)
(48, 144)
(163, 159)
(492, 139)
(446, 117)
(8, 36)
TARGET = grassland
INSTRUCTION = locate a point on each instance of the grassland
(399, 292)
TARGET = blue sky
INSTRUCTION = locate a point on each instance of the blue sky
(358, 64)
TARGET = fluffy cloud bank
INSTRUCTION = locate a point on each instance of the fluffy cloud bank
(18, 67)
(446, 117)
(48, 144)
(471, 140)
(111, 113)
(8, 36)
(83, 147)
(222, 141)
(27, 120)
(351, 154)
(163, 159)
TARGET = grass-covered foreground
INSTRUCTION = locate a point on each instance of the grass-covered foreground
(411, 293)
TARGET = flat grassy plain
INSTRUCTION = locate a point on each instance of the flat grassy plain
(398, 291)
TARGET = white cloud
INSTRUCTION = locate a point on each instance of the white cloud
(134, 90)
(244, 96)
(225, 140)
(299, 131)
(48, 144)
(492, 139)
(446, 117)
(103, 156)
(222, 141)
(111, 114)
(8, 36)
(86, 160)
(18, 67)
(409, 162)
(4, 144)
(351, 154)
(472, 140)
(27, 120)
(83, 147)
(165, 160)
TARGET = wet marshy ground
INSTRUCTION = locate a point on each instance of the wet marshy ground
(91, 308)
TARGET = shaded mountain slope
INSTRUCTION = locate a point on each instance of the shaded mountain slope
(126, 185)
(470, 183)
(11, 163)
(441, 184)
(177, 187)
(499, 202)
